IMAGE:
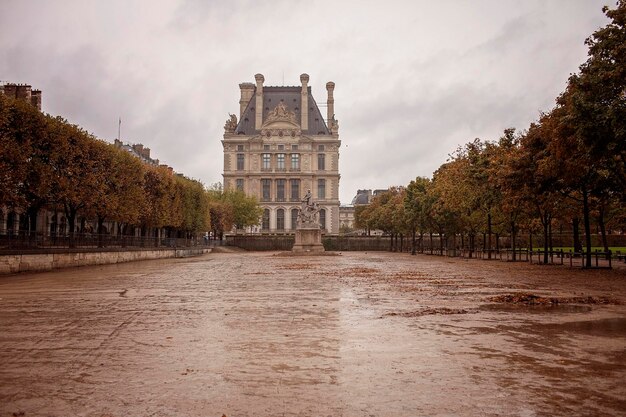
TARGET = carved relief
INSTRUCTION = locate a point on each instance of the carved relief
(280, 113)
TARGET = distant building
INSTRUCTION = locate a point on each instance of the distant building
(139, 151)
(364, 197)
(280, 147)
(22, 92)
(346, 217)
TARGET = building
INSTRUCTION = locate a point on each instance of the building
(365, 197)
(346, 218)
(137, 150)
(280, 147)
(22, 92)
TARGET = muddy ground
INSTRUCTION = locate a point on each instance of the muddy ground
(361, 334)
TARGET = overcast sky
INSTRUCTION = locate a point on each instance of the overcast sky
(414, 79)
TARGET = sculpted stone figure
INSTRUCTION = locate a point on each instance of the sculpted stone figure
(231, 123)
(307, 215)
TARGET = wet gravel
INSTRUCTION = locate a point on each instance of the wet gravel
(361, 334)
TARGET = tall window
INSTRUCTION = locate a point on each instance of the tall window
(295, 162)
(321, 161)
(320, 148)
(280, 161)
(295, 190)
(280, 219)
(280, 190)
(294, 218)
(240, 162)
(265, 187)
(294, 147)
(281, 147)
(239, 148)
(321, 189)
(266, 147)
(323, 218)
(239, 184)
(265, 223)
(266, 160)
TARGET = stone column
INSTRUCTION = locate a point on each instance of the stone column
(304, 112)
(330, 87)
(247, 91)
(258, 121)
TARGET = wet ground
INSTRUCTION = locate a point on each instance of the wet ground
(361, 334)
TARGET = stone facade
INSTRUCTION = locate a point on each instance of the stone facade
(279, 148)
(23, 92)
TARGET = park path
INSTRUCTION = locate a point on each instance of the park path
(360, 334)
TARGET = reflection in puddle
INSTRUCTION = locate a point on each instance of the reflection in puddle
(614, 327)
(540, 308)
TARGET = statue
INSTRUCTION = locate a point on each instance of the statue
(231, 123)
(308, 236)
(307, 215)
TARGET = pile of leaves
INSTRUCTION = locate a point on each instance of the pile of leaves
(532, 299)
(429, 311)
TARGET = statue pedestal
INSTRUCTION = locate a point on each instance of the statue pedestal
(308, 239)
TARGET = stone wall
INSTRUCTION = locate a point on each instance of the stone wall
(48, 261)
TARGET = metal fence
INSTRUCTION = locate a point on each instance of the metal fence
(25, 241)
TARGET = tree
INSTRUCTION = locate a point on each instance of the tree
(415, 206)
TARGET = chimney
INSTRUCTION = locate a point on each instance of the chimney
(330, 87)
(146, 153)
(24, 92)
(35, 99)
(258, 120)
(10, 90)
(304, 123)
(247, 91)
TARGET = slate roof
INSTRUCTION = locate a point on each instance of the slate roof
(290, 96)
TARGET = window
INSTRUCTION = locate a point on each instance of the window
(265, 186)
(266, 161)
(280, 190)
(294, 147)
(321, 189)
(320, 148)
(266, 147)
(280, 161)
(239, 148)
(295, 162)
(294, 218)
(280, 219)
(281, 147)
(239, 185)
(321, 161)
(240, 162)
(265, 223)
(323, 219)
(295, 190)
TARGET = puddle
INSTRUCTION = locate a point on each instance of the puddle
(536, 309)
(614, 327)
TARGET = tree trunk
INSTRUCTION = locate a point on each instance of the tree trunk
(71, 221)
(401, 242)
(513, 240)
(413, 242)
(489, 234)
(530, 241)
(587, 229)
(100, 231)
(545, 222)
(605, 242)
(578, 247)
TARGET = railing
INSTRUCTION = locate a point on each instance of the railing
(24, 241)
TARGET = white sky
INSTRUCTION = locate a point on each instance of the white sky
(414, 79)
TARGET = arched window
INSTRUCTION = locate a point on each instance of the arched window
(323, 218)
(294, 218)
(280, 219)
(265, 225)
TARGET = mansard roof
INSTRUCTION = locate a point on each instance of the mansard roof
(291, 98)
